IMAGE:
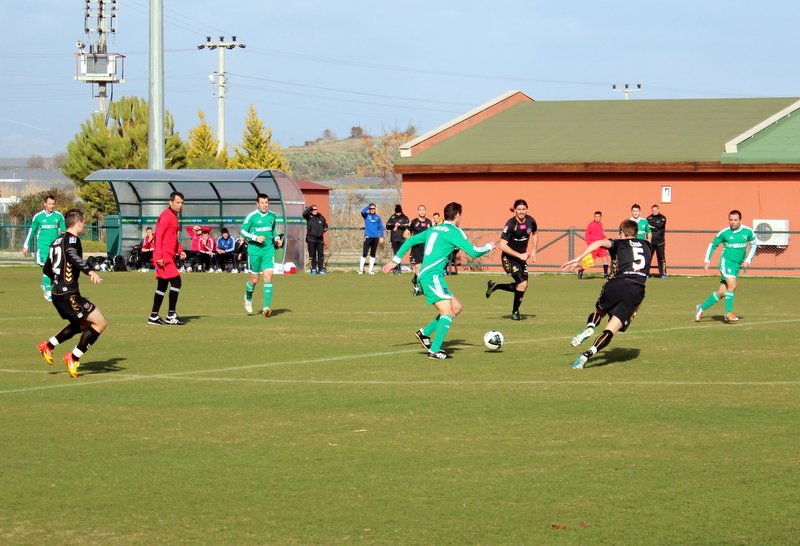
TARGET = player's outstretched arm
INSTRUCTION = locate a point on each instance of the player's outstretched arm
(574, 262)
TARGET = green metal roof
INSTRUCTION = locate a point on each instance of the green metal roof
(622, 131)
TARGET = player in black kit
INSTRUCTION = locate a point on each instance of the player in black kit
(417, 225)
(518, 244)
(64, 265)
(621, 296)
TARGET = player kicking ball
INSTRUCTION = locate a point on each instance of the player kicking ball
(439, 243)
(621, 296)
(63, 266)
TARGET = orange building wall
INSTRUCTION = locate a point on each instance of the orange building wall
(699, 202)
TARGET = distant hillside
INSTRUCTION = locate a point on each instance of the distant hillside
(328, 159)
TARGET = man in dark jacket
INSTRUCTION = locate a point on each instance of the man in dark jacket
(658, 225)
(397, 226)
(316, 226)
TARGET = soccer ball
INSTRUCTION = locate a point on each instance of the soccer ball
(493, 340)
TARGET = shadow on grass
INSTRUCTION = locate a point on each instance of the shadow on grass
(102, 366)
(523, 315)
(721, 318)
(616, 355)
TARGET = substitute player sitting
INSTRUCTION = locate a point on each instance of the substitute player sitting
(63, 266)
(621, 296)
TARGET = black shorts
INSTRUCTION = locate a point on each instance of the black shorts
(621, 299)
(417, 253)
(73, 307)
(515, 267)
(370, 246)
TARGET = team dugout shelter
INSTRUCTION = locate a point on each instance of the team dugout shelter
(212, 197)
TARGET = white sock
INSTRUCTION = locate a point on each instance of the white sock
(361, 263)
(53, 341)
(371, 264)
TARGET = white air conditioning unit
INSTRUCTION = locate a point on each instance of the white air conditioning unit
(766, 232)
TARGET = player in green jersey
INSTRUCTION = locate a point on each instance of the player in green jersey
(259, 229)
(440, 242)
(641, 223)
(46, 226)
(735, 256)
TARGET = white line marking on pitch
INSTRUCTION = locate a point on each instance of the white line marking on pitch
(184, 375)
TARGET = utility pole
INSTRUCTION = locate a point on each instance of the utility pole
(627, 89)
(98, 65)
(219, 79)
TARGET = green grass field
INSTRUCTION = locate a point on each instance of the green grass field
(325, 424)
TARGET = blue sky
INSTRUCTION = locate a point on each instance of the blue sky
(312, 65)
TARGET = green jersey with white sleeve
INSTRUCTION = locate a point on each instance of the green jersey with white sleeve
(734, 245)
(46, 227)
(256, 224)
(440, 242)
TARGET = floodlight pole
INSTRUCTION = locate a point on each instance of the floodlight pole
(220, 80)
(627, 89)
(155, 129)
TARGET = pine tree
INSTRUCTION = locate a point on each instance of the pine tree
(257, 151)
(202, 148)
(122, 144)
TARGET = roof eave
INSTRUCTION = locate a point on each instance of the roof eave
(592, 167)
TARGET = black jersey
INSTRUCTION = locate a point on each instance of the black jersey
(399, 220)
(65, 263)
(630, 259)
(517, 234)
(418, 226)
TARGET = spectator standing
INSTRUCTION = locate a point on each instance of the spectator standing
(46, 225)
(658, 225)
(148, 245)
(397, 226)
(167, 274)
(226, 246)
(595, 232)
(316, 226)
(373, 236)
(416, 226)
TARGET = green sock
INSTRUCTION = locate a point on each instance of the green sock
(712, 299)
(47, 284)
(431, 327)
(248, 291)
(267, 294)
(442, 327)
(729, 302)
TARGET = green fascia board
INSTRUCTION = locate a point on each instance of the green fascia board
(778, 143)
(613, 131)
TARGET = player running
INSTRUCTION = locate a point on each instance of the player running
(260, 231)
(518, 244)
(439, 241)
(621, 296)
(63, 266)
(734, 240)
(46, 226)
